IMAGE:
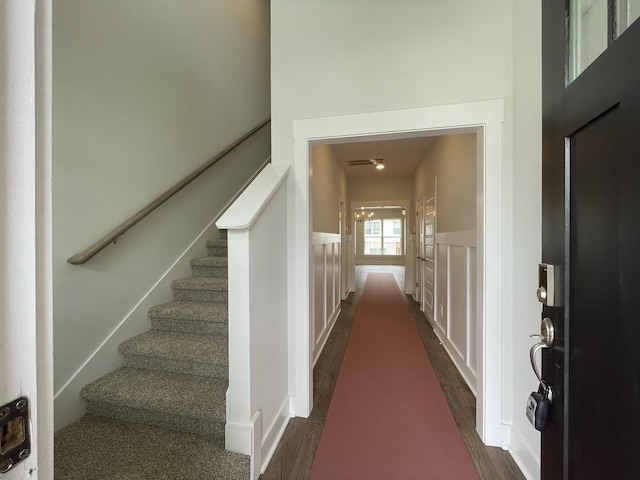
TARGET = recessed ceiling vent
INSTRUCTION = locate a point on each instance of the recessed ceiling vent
(366, 161)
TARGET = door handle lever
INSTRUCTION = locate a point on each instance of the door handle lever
(548, 389)
(532, 356)
(547, 335)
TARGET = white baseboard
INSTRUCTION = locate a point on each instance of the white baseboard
(273, 435)
(523, 454)
(467, 374)
(249, 439)
(324, 336)
(239, 437)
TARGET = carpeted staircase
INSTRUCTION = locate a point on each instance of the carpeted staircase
(162, 414)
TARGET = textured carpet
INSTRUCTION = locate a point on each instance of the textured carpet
(96, 448)
(388, 417)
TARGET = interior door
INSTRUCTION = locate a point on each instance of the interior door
(591, 228)
(428, 264)
(418, 254)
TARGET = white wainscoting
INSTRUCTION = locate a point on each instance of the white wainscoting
(455, 307)
(325, 287)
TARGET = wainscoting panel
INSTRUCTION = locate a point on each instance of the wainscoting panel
(329, 279)
(456, 321)
(442, 289)
(458, 299)
(472, 329)
(319, 304)
(326, 287)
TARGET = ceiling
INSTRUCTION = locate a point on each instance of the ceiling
(401, 157)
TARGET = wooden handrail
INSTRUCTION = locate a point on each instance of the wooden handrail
(113, 235)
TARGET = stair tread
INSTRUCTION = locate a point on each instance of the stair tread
(200, 283)
(197, 311)
(95, 447)
(178, 346)
(170, 393)
(210, 261)
(221, 242)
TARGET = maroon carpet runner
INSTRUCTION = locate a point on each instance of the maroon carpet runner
(388, 418)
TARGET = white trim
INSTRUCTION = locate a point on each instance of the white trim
(243, 188)
(255, 465)
(237, 436)
(325, 334)
(526, 458)
(273, 435)
(321, 238)
(483, 118)
(244, 212)
(44, 243)
(468, 375)
(466, 238)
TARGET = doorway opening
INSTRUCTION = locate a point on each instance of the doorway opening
(381, 236)
(484, 119)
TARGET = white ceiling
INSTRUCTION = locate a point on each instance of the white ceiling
(401, 156)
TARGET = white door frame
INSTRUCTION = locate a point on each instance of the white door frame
(26, 341)
(486, 120)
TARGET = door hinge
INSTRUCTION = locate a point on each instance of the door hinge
(15, 437)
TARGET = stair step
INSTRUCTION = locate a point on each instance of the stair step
(183, 403)
(212, 266)
(202, 355)
(95, 448)
(190, 317)
(217, 247)
(200, 289)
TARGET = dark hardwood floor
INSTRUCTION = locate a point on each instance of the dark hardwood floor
(294, 455)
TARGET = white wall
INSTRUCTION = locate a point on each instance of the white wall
(452, 159)
(431, 53)
(144, 92)
(328, 187)
(527, 238)
(379, 189)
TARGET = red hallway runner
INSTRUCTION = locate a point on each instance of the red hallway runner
(388, 418)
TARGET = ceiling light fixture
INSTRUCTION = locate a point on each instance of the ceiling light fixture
(377, 162)
(362, 216)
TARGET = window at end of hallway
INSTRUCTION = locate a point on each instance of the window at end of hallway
(383, 237)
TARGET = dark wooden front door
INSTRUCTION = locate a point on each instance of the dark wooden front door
(591, 227)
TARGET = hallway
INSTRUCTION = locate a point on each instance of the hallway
(295, 454)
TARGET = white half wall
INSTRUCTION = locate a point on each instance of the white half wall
(258, 408)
